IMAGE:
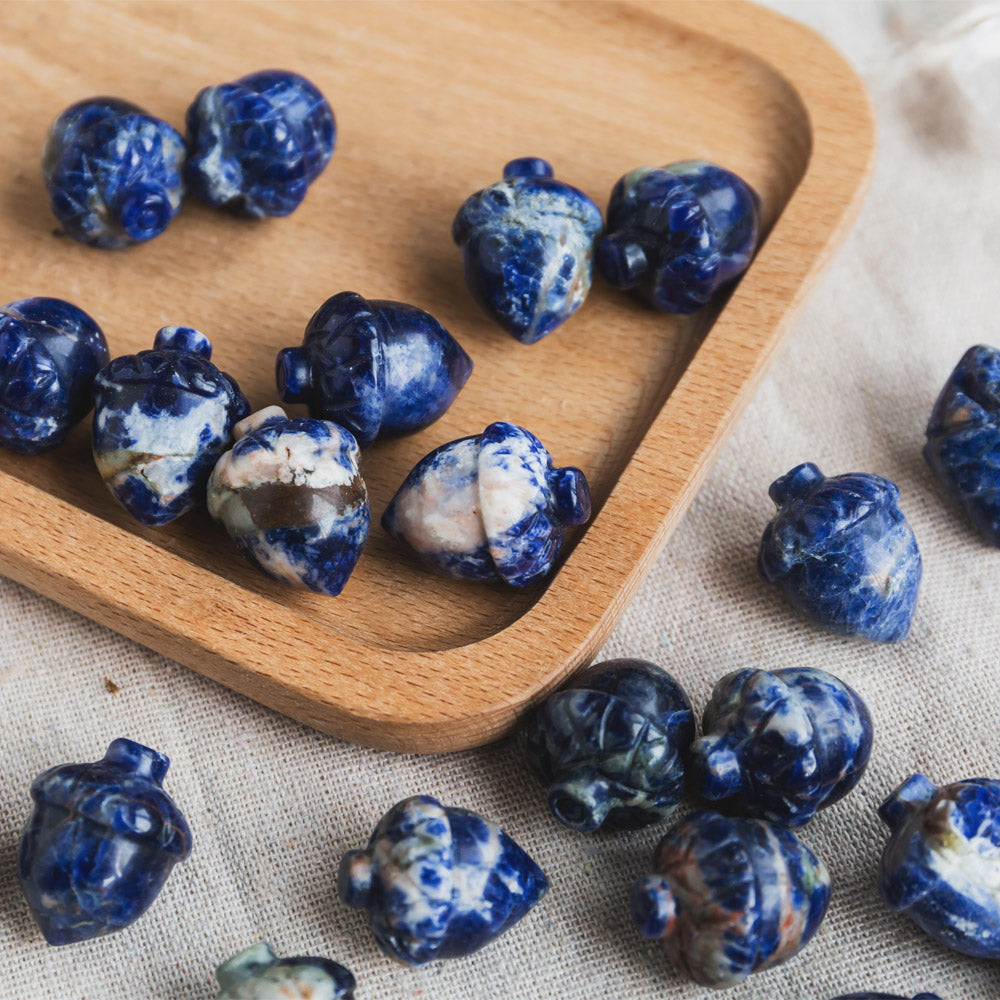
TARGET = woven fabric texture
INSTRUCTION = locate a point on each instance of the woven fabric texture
(273, 805)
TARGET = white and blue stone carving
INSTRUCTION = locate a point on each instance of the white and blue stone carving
(292, 499)
(100, 843)
(941, 866)
(842, 552)
(113, 172)
(963, 438)
(679, 233)
(256, 144)
(729, 897)
(528, 245)
(887, 996)
(378, 368)
(439, 882)
(256, 973)
(781, 745)
(489, 507)
(50, 351)
(610, 746)
(162, 418)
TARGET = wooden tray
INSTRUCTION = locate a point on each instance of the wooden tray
(431, 101)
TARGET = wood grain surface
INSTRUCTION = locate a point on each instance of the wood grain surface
(431, 100)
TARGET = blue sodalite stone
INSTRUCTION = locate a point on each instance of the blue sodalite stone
(50, 352)
(489, 506)
(730, 896)
(781, 745)
(259, 142)
(941, 866)
(528, 243)
(162, 418)
(256, 973)
(113, 172)
(679, 232)
(610, 746)
(963, 438)
(376, 367)
(842, 552)
(100, 843)
(439, 882)
(887, 996)
(292, 499)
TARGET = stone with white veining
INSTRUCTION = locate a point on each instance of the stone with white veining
(256, 973)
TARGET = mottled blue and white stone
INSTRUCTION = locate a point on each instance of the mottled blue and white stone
(781, 745)
(730, 896)
(963, 438)
(256, 144)
(113, 172)
(378, 368)
(256, 973)
(679, 233)
(887, 996)
(291, 496)
(490, 506)
(941, 865)
(842, 552)
(100, 843)
(528, 245)
(610, 746)
(50, 352)
(439, 882)
(162, 418)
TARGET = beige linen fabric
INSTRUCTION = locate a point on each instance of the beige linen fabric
(273, 805)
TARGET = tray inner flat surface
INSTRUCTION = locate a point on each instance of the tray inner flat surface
(431, 101)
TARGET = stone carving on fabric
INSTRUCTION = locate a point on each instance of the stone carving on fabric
(259, 142)
(842, 552)
(439, 882)
(781, 745)
(256, 973)
(489, 507)
(291, 496)
(941, 866)
(729, 897)
(376, 367)
(100, 843)
(963, 438)
(162, 418)
(50, 351)
(610, 746)
(887, 996)
(679, 233)
(527, 245)
(113, 172)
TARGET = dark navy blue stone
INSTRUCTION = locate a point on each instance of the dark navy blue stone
(527, 244)
(781, 745)
(378, 368)
(50, 352)
(963, 438)
(842, 552)
(162, 418)
(610, 746)
(730, 896)
(439, 882)
(941, 866)
(489, 507)
(680, 233)
(256, 144)
(113, 172)
(256, 973)
(887, 996)
(100, 843)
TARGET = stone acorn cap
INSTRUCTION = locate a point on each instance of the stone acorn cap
(256, 973)
(377, 367)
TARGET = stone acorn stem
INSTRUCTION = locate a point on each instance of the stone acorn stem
(528, 166)
(293, 373)
(143, 212)
(183, 339)
(912, 795)
(797, 483)
(257, 420)
(354, 880)
(582, 802)
(247, 964)
(654, 907)
(621, 260)
(715, 769)
(572, 496)
(138, 759)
